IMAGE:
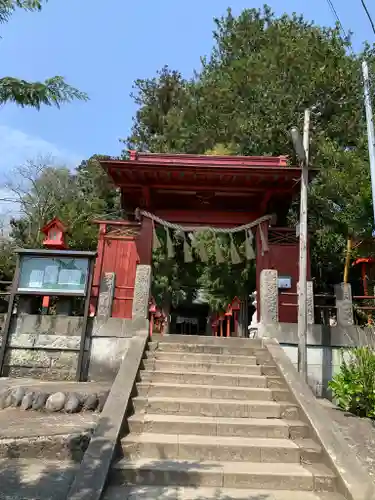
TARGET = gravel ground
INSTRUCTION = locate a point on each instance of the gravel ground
(358, 432)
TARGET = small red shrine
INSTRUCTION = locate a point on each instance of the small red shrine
(54, 233)
(198, 190)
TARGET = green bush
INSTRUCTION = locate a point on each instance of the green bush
(354, 386)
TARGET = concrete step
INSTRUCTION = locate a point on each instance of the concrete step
(216, 407)
(212, 426)
(154, 472)
(182, 493)
(208, 340)
(183, 366)
(227, 448)
(171, 390)
(204, 348)
(204, 378)
(202, 358)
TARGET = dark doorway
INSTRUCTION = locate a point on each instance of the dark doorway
(189, 319)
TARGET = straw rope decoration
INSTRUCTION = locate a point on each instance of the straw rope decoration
(198, 244)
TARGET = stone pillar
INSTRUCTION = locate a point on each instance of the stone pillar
(106, 294)
(309, 302)
(141, 298)
(269, 297)
(344, 304)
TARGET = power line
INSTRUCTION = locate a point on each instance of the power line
(368, 15)
(334, 11)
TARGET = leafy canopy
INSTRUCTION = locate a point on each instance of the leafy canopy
(52, 92)
(262, 72)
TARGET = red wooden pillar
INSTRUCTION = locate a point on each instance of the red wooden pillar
(144, 242)
(228, 316)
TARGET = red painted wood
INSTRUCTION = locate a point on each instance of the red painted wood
(144, 242)
(117, 254)
(283, 257)
(55, 233)
(209, 160)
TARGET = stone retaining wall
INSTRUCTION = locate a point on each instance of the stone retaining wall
(44, 347)
(326, 347)
(47, 347)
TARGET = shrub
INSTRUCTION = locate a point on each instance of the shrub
(354, 386)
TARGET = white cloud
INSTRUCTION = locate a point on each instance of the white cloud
(16, 147)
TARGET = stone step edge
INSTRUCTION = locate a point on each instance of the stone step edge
(206, 339)
(146, 388)
(261, 475)
(292, 429)
(182, 492)
(168, 385)
(153, 354)
(227, 441)
(218, 401)
(220, 374)
(149, 361)
(203, 466)
(159, 417)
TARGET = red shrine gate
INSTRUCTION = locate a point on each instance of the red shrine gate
(196, 190)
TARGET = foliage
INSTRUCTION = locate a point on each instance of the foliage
(52, 92)
(174, 281)
(43, 190)
(7, 259)
(340, 203)
(263, 71)
(354, 386)
(222, 282)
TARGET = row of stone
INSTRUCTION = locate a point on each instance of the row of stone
(70, 402)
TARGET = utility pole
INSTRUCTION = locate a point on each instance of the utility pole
(302, 150)
(370, 131)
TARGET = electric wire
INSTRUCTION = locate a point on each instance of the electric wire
(368, 15)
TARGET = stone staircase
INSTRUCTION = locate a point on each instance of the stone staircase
(213, 420)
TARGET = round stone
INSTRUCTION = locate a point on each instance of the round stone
(27, 401)
(55, 402)
(8, 400)
(4, 398)
(17, 395)
(91, 402)
(72, 403)
(40, 400)
(102, 400)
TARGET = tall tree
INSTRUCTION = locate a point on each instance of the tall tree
(262, 73)
(43, 191)
(52, 92)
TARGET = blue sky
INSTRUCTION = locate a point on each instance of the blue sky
(102, 47)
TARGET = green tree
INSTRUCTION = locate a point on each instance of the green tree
(52, 92)
(43, 192)
(263, 71)
(174, 281)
